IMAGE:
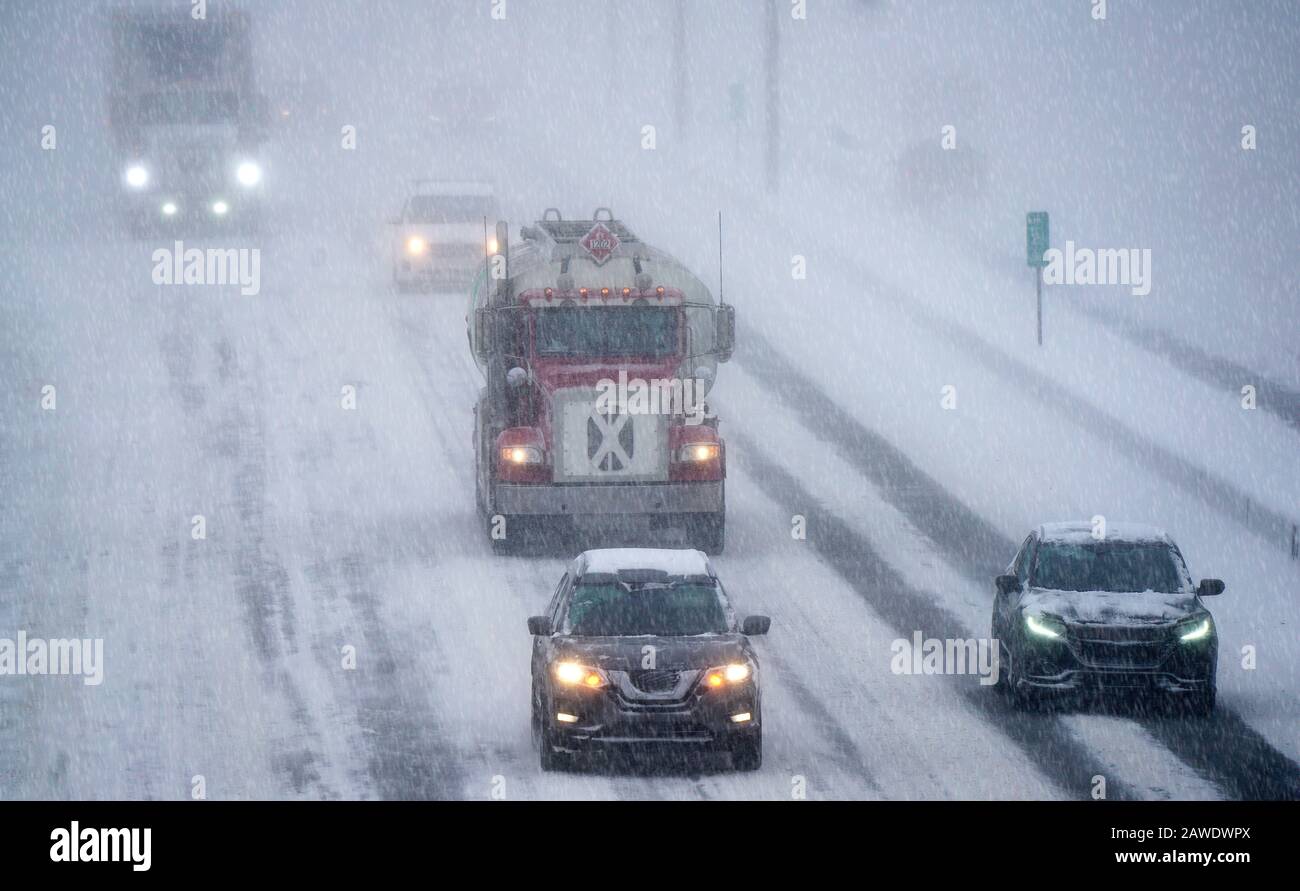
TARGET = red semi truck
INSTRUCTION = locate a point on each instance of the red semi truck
(598, 352)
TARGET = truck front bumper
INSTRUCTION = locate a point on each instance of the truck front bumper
(624, 498)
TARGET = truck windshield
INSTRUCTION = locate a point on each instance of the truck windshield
(669, 609)
(607, 331)
(1108, 566)
(450, 209)
(188, 108)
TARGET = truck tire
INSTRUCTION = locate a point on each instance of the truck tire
(708, 532)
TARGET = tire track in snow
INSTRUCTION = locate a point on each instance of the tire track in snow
(1223, 748)
(1041, 737)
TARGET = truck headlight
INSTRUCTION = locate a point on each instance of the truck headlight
(697, 452)
(415, 245)
(1194, 631)
(248, 174)
(137, 176)
(521, 455)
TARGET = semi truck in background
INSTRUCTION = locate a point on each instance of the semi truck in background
(186, 119)
(598, 352)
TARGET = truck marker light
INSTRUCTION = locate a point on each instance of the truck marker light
(604, 292)
(549, 293)
(169, 209)
(741, 718)
(415, 245)
(627, 292)
(660, 290)
(220, 207)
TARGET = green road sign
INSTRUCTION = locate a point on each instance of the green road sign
(1037, 238)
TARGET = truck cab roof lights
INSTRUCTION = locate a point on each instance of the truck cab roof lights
(604, 292)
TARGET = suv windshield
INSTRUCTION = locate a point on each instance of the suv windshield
(450, 209)
(607, 331)
(1109, 566)
(674, 608)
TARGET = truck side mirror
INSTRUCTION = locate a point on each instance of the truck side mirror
(724, 328)
(1007, 584)
(539, 626)
(755, 625)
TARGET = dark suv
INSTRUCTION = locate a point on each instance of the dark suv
(1086, 608)
(641, 647)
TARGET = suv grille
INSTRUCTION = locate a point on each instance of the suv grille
(656, 681)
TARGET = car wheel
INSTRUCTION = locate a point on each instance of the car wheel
(550, 759)
(1003, 685)
(1021, 698)
(1201, 703)
(747, 754)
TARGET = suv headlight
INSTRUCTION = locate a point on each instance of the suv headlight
(573, 674)
(726, 675)
(1044, 626)
(1199, 629)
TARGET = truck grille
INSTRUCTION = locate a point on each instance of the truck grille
(596, 447)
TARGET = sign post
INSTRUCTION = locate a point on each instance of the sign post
(1037, 240)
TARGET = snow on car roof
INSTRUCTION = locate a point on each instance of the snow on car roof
(430, 187)
(669, 560)
(1076, 531)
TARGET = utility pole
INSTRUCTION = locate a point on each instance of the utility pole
(681, 80)
(773, 73)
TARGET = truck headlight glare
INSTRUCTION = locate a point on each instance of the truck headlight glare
(415, 245)
(248, 174)
(220, 208)
(137, 177)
